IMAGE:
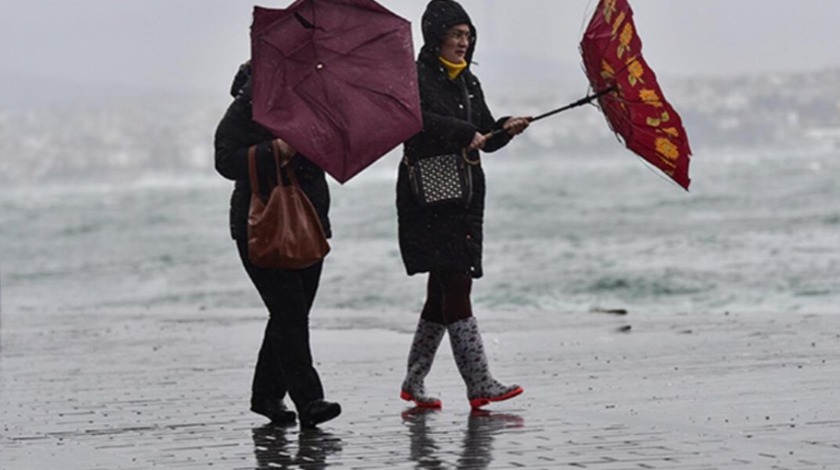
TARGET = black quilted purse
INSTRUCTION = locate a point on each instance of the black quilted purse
(442, 180)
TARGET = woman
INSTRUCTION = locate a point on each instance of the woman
(446, 241)
(285, 361)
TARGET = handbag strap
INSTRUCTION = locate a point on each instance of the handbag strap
(463, 85)
(252, 170)
(279, 162)
(468, 102)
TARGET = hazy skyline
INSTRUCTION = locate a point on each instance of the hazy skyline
(196, 44)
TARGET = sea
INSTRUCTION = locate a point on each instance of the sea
(567, 229)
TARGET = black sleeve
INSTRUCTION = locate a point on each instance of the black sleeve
(235, 134)
(449, 129)
(488, 124)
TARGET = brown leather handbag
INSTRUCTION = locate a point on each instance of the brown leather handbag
(284, 232)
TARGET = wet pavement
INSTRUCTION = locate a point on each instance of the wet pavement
(159, 388)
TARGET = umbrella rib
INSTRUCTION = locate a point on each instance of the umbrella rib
(325, 113)
(359, 46)
(279, 51)
(381, 93)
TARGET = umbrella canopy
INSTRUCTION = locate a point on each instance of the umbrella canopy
(629, 94)
(336, 79)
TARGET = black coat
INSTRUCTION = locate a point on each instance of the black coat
(445, 238)
(235, 134)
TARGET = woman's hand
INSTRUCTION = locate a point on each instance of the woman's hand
(478, 142)
(517, 125)
(286, 150)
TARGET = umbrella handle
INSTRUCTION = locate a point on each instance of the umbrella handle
(585, 100)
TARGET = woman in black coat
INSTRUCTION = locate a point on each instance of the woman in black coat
(446, 241)
(285, 360)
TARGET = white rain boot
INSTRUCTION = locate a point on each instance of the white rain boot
(468, 349)
(427, 338)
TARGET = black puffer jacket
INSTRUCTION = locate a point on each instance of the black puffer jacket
(235, 134)
(445, 238)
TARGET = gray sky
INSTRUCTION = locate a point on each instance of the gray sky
(196, 44)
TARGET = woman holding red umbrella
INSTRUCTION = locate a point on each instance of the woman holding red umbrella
(446, 240)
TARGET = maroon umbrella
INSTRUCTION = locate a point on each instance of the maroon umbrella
(335, 79)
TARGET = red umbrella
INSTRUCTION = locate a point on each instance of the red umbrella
(630, 96)
(336, 79)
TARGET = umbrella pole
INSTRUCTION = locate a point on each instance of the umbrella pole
(580, 102)
(585, 100)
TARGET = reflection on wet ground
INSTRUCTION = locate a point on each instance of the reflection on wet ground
(284, 447)
(169, 389)
(476, 449)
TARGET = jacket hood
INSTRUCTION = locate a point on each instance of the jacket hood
(242, 80)
(440, 15)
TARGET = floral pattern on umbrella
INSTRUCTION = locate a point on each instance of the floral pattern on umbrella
(635, 106)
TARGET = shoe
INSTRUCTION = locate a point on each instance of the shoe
(317, 412)
(424, 346)
(468, 349)
(273, 409)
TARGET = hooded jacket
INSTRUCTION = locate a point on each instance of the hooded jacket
(447, 238)
(235, 134)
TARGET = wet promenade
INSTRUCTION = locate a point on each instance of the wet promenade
(169, 389)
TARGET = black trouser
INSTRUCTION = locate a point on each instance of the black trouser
(285, 359)
(447, 297)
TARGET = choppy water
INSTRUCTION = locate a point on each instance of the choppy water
(760, 231)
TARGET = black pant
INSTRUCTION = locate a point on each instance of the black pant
(285, 359)
(447, 297)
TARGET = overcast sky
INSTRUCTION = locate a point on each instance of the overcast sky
(197, 44)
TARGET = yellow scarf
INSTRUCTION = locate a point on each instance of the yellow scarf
(453, 69)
